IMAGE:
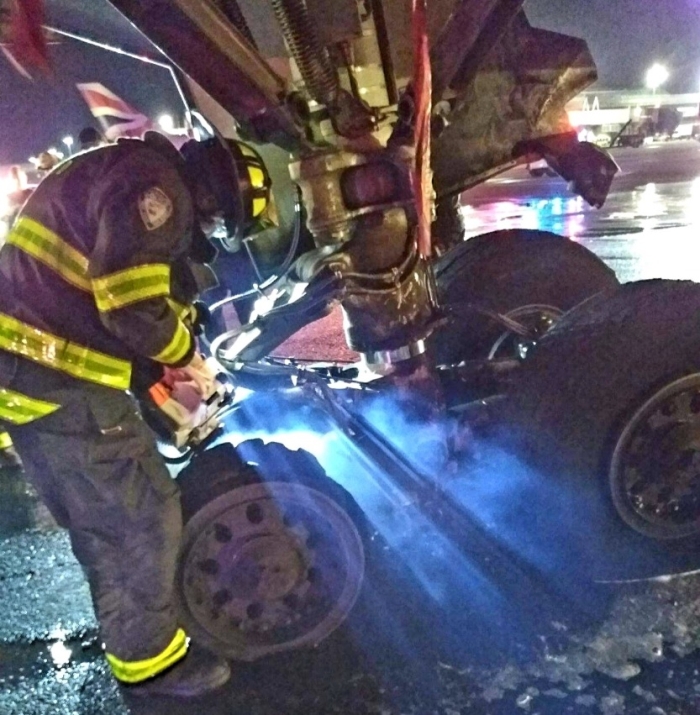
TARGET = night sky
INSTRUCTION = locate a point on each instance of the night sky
(625, 36)
(38, 114)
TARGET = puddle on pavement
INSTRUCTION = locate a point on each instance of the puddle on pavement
(22, 660)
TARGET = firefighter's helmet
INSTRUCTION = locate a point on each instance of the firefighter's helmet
(235, 175)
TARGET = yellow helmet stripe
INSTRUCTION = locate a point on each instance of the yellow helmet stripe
(259, 206)
(21, 409)
(136, 671)
(46, 246)
(257, 177)
(60, 354)
(131, 285)
(247, 150)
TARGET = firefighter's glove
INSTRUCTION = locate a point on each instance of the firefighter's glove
(201, 315)
(203, 374)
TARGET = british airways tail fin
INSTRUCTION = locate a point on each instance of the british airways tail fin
(116, 117)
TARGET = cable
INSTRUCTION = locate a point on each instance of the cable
(281, 270)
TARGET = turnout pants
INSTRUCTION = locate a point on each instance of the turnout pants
(95, 464)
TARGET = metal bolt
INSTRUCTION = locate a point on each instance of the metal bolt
(222, 533)
(209, 567)
(222, 597)
(254, 513)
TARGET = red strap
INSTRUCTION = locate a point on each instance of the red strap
(25, 40)
(422, 84)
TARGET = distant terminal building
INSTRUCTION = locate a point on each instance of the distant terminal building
(630, 118)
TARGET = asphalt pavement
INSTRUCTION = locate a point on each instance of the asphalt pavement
(435, 633)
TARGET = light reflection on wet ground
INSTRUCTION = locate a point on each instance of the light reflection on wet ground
(648, 228)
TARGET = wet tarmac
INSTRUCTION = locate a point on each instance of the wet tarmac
(433, 633)
(648, 228)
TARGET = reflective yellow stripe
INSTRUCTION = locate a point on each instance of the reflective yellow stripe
(49, 248)
(131, 285)
(136, 671)
(21, 409)
(184, 312)
(111, 292)
(52, 351)
(5, 440)
(177, 348)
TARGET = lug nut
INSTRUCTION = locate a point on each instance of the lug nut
(222, 533)
(254, 513)
(209, 567)
(222, 597)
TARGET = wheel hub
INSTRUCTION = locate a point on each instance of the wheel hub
(655, 470)
(269, 567)
(538, 319)
(265, 567)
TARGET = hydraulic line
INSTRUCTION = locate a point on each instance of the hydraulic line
(259, 290)
(312, 58)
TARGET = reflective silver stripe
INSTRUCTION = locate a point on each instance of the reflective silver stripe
(72, 358)
(136, 671)
(21, 409)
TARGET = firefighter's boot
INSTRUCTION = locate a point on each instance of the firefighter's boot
(9, 459)
(198, 673)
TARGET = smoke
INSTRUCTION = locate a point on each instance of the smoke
(540, 541)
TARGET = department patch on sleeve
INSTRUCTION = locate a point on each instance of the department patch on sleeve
(155, 208)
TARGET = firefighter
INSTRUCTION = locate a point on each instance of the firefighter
(45, 162)
(87, 282)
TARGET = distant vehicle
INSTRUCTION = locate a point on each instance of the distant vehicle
(648, 125)
(631, 140)
(632, 134)
(540, 168)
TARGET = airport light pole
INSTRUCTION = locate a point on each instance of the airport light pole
(656, 75)
(166, 122)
